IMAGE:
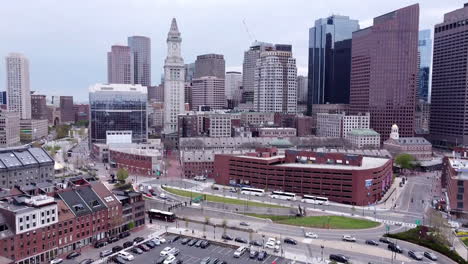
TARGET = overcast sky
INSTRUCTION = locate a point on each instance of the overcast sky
(67, 41)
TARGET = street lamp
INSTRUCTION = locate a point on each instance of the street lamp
(322, 247)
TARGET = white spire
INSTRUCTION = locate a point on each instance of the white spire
(174, 27)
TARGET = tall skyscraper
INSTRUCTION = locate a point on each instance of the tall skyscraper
(189, 71)
(18, 90)
(118, 108)
(232, 88)
(140, 47)
(330, 60)
(208, 91)
(425, 59)
(275, 87)
(38, 107)
(120, 65)
(173, 80)
(67, 113)
(449, 96)
(384, 64)
(248, 68)
(302, 83)
(210, 65)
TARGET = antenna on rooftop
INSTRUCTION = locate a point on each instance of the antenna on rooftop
(251, 37)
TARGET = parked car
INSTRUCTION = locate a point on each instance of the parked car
(204, 244)
(240, 251)
(56, 261)
(127, 256)
(205, 260)
(291, 241)
(192, 242)
(138, 239)
(137, 250)
(170, 259)
(86, 261)
(116, 249)
(430, 255)
(118, 260)
(226, 237)
(395, 248)
(105, 253)
(256, 243)
(311, 235)
(162, 240)
(240, 240)
(339, 258)
(156, 241)
(262, 255)
(160, 260)
(385, 240)
(150, 244)
(165, 251)
(175, 239)
(124, 234)
(253, 254)
(174, 251)
(270, 244)
(198, 243)
(243, 224)
(349, 238)
(372, 242)
(415, 255)
(144, 247)
(215, 261)
(100, 244)
(112, 239)
(127, 244)
(73, 255)
(184, 241)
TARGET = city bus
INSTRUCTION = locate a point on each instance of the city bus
(252, 191)
(161, 215)
(283, 195)
(314, 199)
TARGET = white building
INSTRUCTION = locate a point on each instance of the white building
(33, 129)
(174, 75)
(339, 125)
(18, 91)
(232, 86)
(220, 125)
(9, 129)
(364, 138)
(275, 87)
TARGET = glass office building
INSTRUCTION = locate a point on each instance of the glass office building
(425, 58)
(118, 107)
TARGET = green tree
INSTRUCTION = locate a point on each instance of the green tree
(224, 225)
(404, 161)
(131, 225)
(62, 131)
(122, 175)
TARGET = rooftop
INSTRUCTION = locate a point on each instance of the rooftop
(411, 141)
(367, 163)
(363, 132)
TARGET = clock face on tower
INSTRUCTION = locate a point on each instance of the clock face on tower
(174, 46)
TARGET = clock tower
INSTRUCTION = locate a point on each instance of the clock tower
(174, 80)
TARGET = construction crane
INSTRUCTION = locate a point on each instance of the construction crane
(251, 38)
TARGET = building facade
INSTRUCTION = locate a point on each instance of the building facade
(449, 93)
(210, 65)
(140, 48)
(208, 91)
(418, 147)
(38, 106)
(233, 88)
(174, 83)
(17, 81)
(455, 180)
(364, 138)
(66, 109)
(275, 87)
(248, 69)
(33, 129)
(330, 60)
(120, 65)
(388, 90)
(277, 132)
(9, 128)
(81, 112)
(118, 107)
(343, 178)
(339, 125)
(302, 83)
(425, 62)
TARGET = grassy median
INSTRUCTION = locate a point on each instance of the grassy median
(219, 199)
(332, 222)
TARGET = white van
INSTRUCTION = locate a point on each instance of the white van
(240, 251)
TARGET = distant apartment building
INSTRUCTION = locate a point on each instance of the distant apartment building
(275, 81)
(363, 138)
(208, 91)
(33, 129)
(9, 128)
(140, 48)
(189, 72)
(257, 118)
(67, 114)
(330, 60)
(326, 108)
(3, 98)
(248, 69)
(81, 112)
(17, 81)
(155, 115)
(53, 115)
(156, 93)
(233, 88)
(302, 83)
(339, 125)
(118, 107)
(120, 65)
(303, 126)
(210, 65)
(208, 123)
(449, 96)
(455, 179)
(38, 106)
(388, 90)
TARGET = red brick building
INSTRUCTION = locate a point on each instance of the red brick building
(455, 180)
(81, 112)
(343, 178)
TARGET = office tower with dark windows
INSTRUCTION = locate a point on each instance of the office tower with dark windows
(425, 60)
(449, 95)
(17, 81)
(248, 68)
(67, 114)
(140, 47)
(233, 88)
(189, 71)
(38, 106)
(208, 91)
(210, 65)
(118, 108)
(120, 65)
(330, 60)
(384, 66)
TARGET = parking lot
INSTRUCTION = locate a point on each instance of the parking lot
(193, 254)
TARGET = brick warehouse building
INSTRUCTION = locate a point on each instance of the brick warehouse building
(343, 178)
(455, 180)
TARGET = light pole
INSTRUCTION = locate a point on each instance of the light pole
(322, 247)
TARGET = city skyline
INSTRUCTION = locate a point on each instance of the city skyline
(49, 57)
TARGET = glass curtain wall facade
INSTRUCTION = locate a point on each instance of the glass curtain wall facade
(118, 110)
(425, 57)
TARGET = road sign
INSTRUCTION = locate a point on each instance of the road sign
(198, 199)
(418, 222)
(387, 227)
